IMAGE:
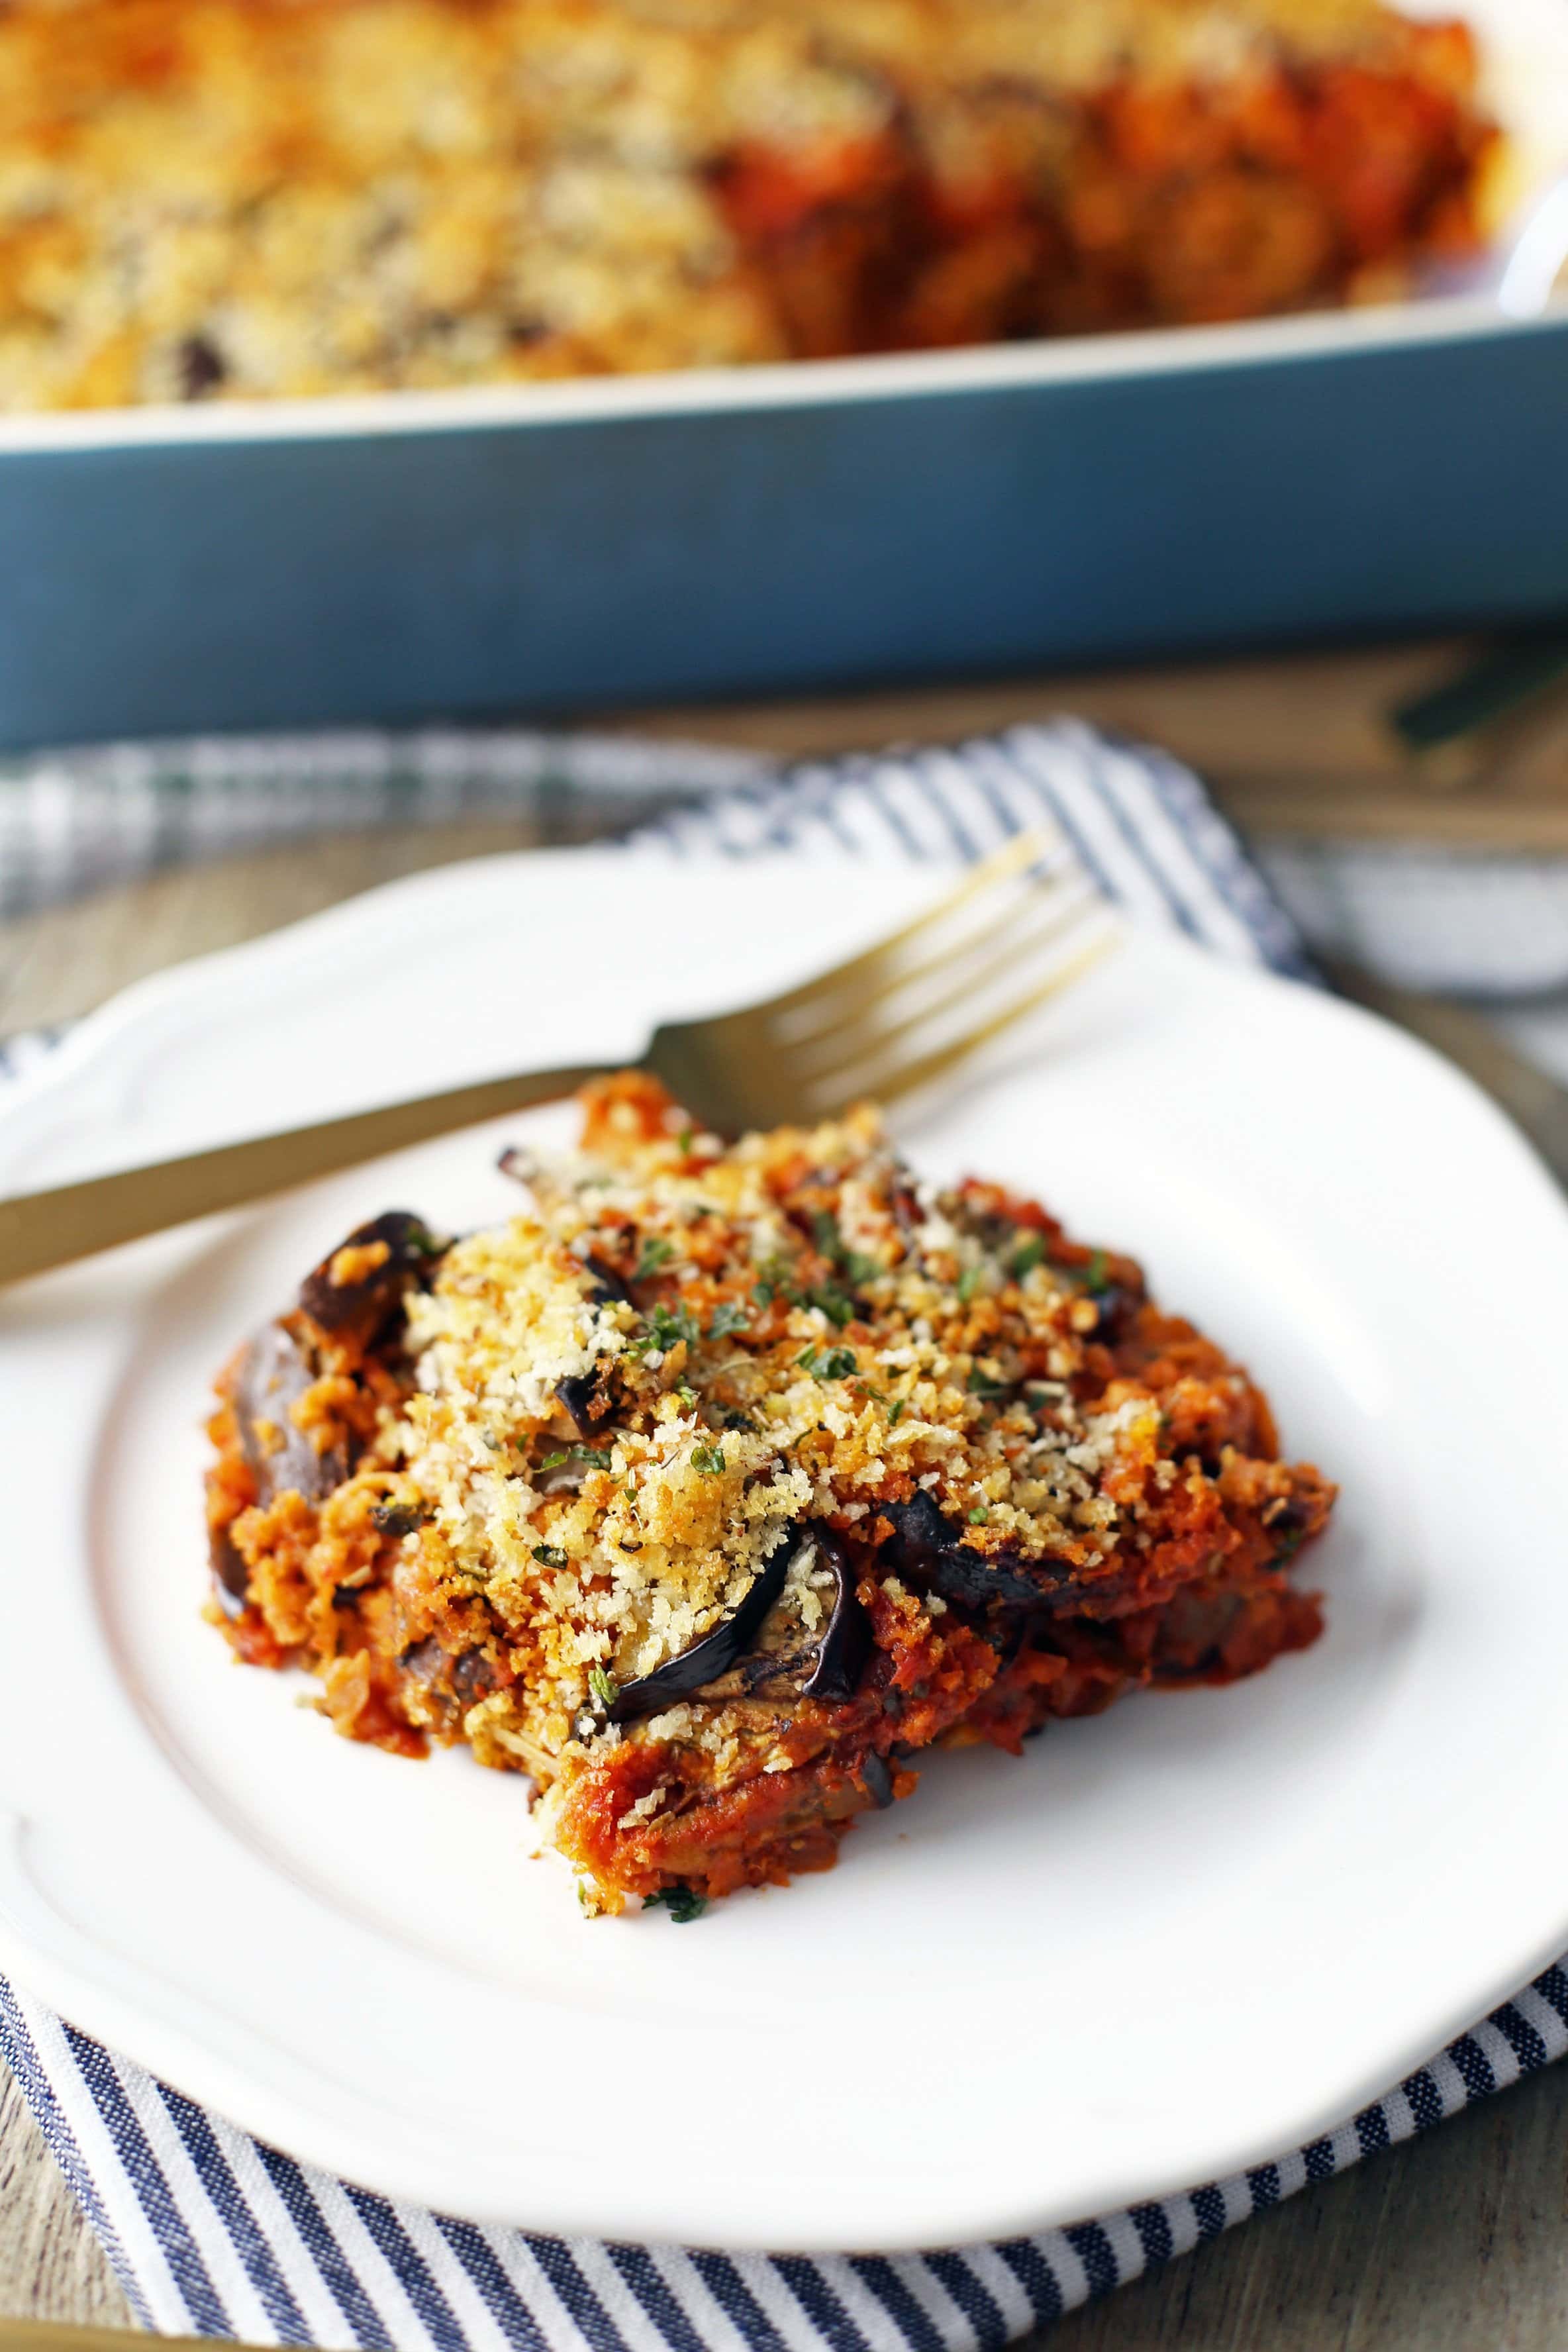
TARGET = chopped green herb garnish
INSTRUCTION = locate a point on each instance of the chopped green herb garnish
(969, 1282)
(655, 1252)
(981, 1384)
(837, 1365)
(806, 1359)
(978, 1516)
(599, 1455)
(552, 1555)
(688, 1395)
(685, 1139)
(683, 1903)
(728, 1318)
(1027, 1255)
(836, 1304)
(553, 1461)
(605, 1688)
(663, 1327)
(772, 1281)
(1095, 1272)
(895, 1411)
(709, 1459)
(853, 1264)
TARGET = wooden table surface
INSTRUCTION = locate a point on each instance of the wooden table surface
(1460, 2240)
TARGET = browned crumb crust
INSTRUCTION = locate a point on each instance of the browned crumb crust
(255, 198)
(723, 1482)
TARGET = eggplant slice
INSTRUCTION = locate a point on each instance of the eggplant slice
(274, 1373)
(360, 1306)
(929, 1551)
(717, 1651)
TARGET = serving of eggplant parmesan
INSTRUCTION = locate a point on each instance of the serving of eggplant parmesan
(725, 1479)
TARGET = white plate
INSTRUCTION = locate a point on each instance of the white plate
(1171, 1941)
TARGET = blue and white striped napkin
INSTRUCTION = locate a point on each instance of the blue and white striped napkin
(212, 2233)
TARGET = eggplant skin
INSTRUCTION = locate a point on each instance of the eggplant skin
(846, 1644)
(577, 1396)
(360, 1309)
(929, 1551)
(231, 1577)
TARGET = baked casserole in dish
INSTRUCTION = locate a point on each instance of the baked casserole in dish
(266, 198)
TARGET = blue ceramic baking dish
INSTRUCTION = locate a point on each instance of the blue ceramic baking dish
(551, 548)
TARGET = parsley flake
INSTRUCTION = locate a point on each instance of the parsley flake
(605, 1688)
(895, 1411)
(553, 1461)
(1027, 1255)
(978, 1516)
(854, 1265)
(551, 1555)
(969, 1282)
(655, 1252)
(663, 1327)
(836, 1304)
(1096, 1273)
(728, 1318)
(685, 1139)
(683, 1903)
(709, 1459)
(837, 1365)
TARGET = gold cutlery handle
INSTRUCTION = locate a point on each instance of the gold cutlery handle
(57, 2336)
(39, 1230)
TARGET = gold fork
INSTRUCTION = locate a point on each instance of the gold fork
(1017, 930)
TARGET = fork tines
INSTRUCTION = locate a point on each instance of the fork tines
(1016, 930)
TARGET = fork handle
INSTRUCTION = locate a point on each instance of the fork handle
(57, 2336)
(39, 1230)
